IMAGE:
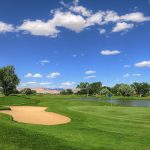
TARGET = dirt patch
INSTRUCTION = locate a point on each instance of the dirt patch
(35, 115)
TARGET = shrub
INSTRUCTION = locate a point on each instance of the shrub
(27, 91)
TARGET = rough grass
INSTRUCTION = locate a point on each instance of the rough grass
(94, 126)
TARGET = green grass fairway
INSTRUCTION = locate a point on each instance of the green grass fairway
(94, 126)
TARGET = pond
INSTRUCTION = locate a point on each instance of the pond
(138, 103)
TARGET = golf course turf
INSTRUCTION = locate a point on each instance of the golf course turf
(94, 126)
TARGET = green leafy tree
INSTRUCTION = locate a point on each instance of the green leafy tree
(125, 90)
(114, 89)
(63, 92)
(105, 91)
(95, 88)
(8, 80)
(34, 92)
(27, 91)
(67, 92)
(141, 89)
(107, 87)
(145, 89)
(84, 88)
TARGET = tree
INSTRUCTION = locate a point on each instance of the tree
(1, 90)
(107, 87)
(125, 90)
(27, 91)
(8, 80)
(141, 89)
(84, 88)
(95, 88)
(67, 92)
(34, 92)
(104, 91)
(114, 89)
(145, 89)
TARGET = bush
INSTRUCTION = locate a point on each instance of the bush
(141, 89)
(67, 92)
(27, 91)
(104, 91)
(125, 90)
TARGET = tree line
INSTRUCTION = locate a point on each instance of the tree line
(9, 81)
(96, 88)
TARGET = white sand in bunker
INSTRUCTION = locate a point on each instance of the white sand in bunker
(35, 115)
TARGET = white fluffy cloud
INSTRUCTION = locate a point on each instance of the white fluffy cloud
(143, 64)
(81, 10)
(53, 75)
(45, 83)
(110, 52)
(121, 26)
(90, 77)
(45, 61)
(34, 84)
(135, 17)
(28, 84)
(76, 18)
(4, 27)
(28, 75)
(69, 20)
(60, 19)
(31, 82)
(68, 84)
(90, 72)
(136, 74)
(96, 18)
(39, 27)
(110, 16)
(126, 75)
(102, 31)
(37, 75)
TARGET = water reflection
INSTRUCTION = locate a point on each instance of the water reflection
(142, 103)
(139, 103)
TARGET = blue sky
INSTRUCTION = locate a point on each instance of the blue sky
(61, 43)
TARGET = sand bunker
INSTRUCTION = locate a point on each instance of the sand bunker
(35, 115)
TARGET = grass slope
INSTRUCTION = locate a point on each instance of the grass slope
(94, 126)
